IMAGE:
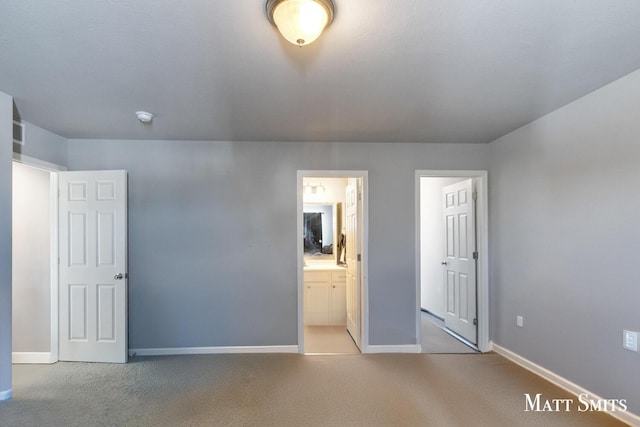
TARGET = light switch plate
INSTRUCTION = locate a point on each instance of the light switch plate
(520, 321)
(630, 340)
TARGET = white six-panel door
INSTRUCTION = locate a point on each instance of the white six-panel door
(352, 256)
(459, 263)
(93, 266)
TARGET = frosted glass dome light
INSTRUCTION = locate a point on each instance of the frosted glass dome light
(300, 21)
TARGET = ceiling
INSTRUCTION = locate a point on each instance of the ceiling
(443, 71)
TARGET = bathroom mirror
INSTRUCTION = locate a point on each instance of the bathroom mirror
(320, 225)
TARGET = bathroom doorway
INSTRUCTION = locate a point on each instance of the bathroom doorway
(332, 225)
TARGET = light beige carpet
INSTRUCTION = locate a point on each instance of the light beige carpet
(435, 340)
(286, 390)
(328, 339)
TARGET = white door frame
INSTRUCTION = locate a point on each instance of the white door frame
(364, 275)
(482, 231)
(53, 170)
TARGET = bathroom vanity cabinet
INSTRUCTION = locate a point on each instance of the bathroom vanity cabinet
(325, 296)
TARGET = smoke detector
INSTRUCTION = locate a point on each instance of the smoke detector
(144, 117)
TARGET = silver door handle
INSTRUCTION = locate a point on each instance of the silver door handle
(444, 263)
(119, 276)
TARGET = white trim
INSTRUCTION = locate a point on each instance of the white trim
(54, 266)
(32, 357)
(5, 395)
(365, 262)
(552, 377)
(408, 348)
(482, 243)
(331, 354)
(364, 297)
(32, 161)
(212, 350)
(300, 259)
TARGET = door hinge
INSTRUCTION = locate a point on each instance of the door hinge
(359, 257)
(359, 196)
(475, 255)
(475, 195)
(475, 322)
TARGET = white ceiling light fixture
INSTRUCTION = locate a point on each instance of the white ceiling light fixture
(144, 117)
(300, 21)
(314, 190)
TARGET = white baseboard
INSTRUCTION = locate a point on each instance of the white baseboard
(552, 377)
(5, 395)
(212, 350)
(34, 357)
(408, 348)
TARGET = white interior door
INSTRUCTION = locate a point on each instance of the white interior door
(353, 211)
(459, 263)
(93, 266)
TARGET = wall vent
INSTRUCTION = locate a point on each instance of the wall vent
(18, 132)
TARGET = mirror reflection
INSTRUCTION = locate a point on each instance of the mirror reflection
(323, 219)
(318, 230)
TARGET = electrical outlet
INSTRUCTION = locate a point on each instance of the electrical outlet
(520, 321)
(630, 340)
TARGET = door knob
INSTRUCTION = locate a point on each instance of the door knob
(444, 263)
(118, 276)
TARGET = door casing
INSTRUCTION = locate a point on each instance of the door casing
(482, 243)
(53, 170)
(364, 284)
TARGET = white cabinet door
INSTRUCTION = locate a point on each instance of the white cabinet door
(316, 300)
(93, 266)
(338, 298)
(338, 303)
(316, 297)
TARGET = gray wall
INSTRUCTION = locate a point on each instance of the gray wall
(212, 234)
(6, 136)
(564, 235)
(43, 145)
(31, 260)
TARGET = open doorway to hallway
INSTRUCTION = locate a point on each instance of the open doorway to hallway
(451, 261)
(34, 261)
(332, 261)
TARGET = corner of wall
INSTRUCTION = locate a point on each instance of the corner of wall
(6, 155)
